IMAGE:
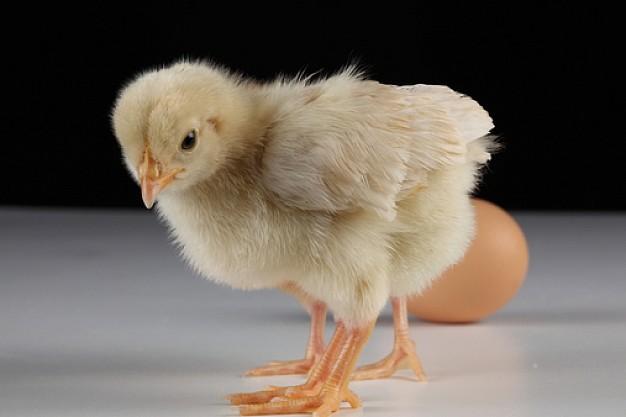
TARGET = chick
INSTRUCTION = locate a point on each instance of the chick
(343, 189)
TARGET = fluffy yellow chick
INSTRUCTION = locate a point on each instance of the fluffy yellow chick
(341, 189)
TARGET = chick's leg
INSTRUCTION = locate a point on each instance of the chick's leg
(314, 382)
(326, 387)
(403, 354)
(313, 352)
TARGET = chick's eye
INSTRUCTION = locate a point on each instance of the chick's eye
(189, 142)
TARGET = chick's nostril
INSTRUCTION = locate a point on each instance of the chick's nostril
(156, 171)
(150, 169)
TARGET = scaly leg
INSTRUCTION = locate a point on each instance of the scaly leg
(403, 354)
(313, 352)
(315, 346)
(320, 372)
(326, 387)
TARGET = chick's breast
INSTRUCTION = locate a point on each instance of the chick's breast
(252, 241)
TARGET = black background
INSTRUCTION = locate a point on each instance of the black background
(546, 71)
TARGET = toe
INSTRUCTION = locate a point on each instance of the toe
(255, 397)
(289, 406)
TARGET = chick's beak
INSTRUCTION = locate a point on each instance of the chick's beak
(153, 179)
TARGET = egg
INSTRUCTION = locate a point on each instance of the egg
(489, 275)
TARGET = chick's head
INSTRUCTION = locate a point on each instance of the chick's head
(176, 126)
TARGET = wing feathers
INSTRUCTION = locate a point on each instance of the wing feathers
(351, 143)
(471, 119)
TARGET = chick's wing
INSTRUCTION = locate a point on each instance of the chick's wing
(360, 144)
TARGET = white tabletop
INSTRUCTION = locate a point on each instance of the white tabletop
(99, 317)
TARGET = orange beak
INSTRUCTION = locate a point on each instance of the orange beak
(153, 179)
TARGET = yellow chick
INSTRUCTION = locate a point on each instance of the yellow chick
(341, 189)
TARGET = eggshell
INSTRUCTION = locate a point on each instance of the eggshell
(490, 274)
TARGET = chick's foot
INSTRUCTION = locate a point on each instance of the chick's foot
(314, 350)
(295, 367)
(325, 389)
(403, 354)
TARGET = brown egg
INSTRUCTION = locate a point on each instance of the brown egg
(489, 275)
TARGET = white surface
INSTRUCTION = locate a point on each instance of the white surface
(99, 317)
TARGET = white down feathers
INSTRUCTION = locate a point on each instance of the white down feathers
(349, 143)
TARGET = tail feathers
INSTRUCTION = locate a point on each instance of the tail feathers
(482, 149)
(472, 119)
